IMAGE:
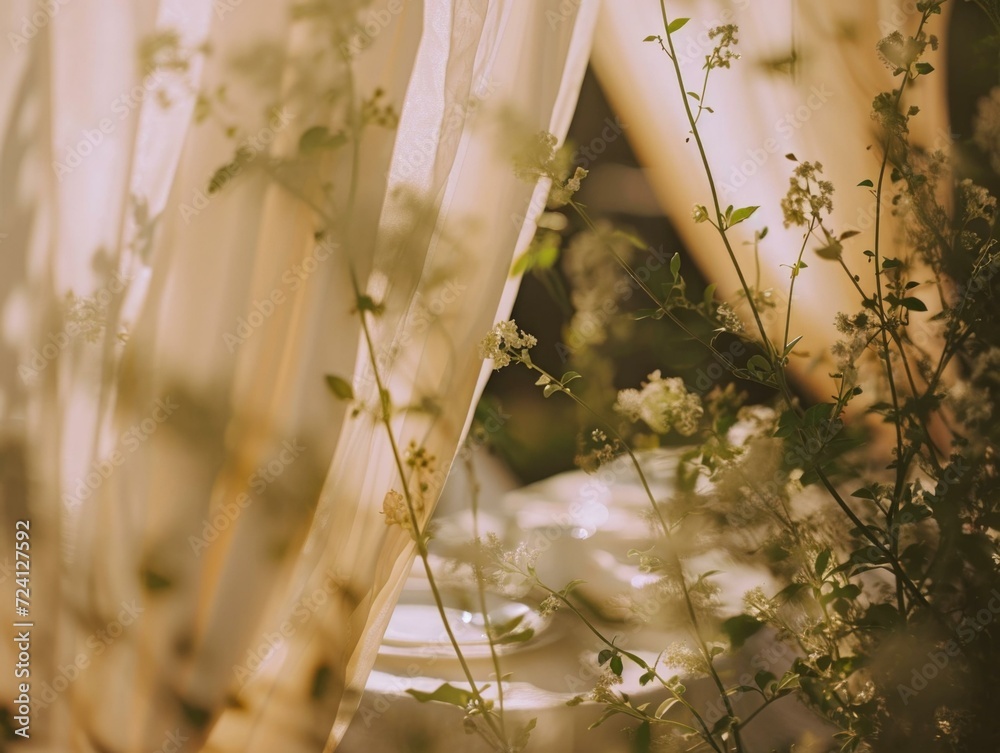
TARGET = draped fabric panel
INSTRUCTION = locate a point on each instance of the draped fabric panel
(766, 107)
(197, 199)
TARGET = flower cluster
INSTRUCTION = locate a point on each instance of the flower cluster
(729, 319)
(860, 330)
(561, 192)
(603, 691)
(549, 605)
(504, 340)
(680, 655)
(901, 53)
(663, 404)
(514, 569)
(396, 512)
(723, 55)
(976, 202)
(808, 195)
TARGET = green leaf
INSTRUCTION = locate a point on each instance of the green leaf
(742, 214)
(664, 707)
(891, 263)
(759, 366)
(604, 656)
(519, 636)
(617, 666)
(913, 304)
(788, 592)
(676, 25)
(866, 184)
(154, 581)
(340, 387)
(651, 38)
(763, 679)
(550, 389)
(520, 741)
(832, 251)
(675, 265)
(849, 234)
(319, 137)
(367, 303)
(923, 68)
(694, 96)
(569, 376)
(642, 739)
(197, 716)
(791, 345)
(722, 725)
(445, 694)
(822, 561)
(608, 713)
(740, 628)
(322, 681)
(710, 293)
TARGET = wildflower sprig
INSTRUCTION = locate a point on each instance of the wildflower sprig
(926, 521)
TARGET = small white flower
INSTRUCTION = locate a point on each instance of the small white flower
(503, 340)
(663, 404)
(395, 510)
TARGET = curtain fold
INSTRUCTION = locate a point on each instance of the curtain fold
(192, 191)
(804, 86)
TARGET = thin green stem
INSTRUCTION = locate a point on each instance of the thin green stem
(481, 588)
(711, 183)
(418, 533)
(791, 285)
(682, 580)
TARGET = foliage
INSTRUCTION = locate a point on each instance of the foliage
(891, 587)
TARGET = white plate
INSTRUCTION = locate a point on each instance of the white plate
(416, 627)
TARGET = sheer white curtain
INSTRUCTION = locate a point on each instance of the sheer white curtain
(191, 191)
(821, 113)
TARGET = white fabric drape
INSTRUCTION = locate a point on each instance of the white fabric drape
(210, 559)
(821, 113)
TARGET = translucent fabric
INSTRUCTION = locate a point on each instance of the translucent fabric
(202, 201)
(803, 86)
